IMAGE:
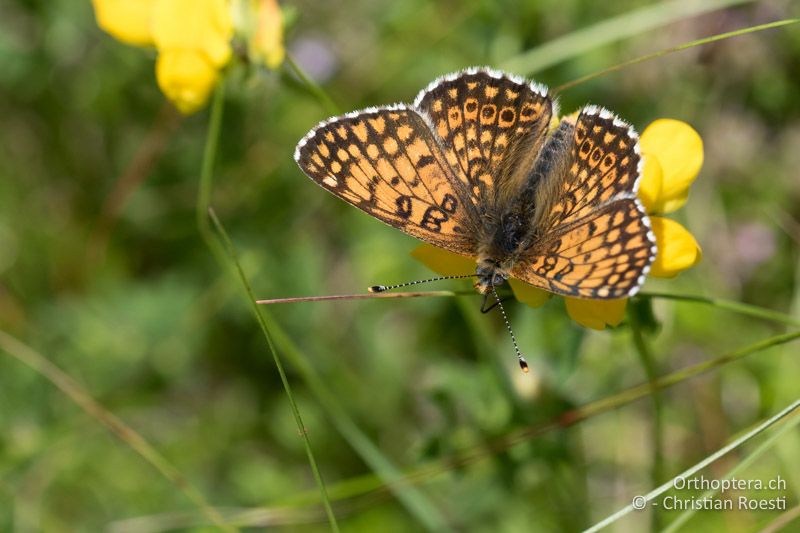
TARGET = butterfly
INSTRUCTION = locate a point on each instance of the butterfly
(475, 166)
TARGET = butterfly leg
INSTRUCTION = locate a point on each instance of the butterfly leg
(485, 309)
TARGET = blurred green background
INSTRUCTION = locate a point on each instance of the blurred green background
(137, 310)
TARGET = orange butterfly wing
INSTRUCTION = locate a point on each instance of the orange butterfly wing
(492, 126)
(596, 238)
(386, 162)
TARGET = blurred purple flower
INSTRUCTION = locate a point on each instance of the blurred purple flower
(315, 57)
(754, 244)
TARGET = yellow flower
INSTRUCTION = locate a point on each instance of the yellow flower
(127, 20)
(528, 294)
(443, 262)
(260, 24)
(673, 155)
(185, 78)
(192, 38)
(266, 45)
(678, 153)
(596, 314)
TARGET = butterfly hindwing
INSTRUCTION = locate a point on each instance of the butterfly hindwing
(491, 126)
(386, 162)
(596, 240)
(605, 255)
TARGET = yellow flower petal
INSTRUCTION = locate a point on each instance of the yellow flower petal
(651, 183)
(679, 150)
(127, 20)
(186, 78)
(528, 294)
(677, 248)
(267, 44)
(596, 314)
(201, 25)
(443, 262)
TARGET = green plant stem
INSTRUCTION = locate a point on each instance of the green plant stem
(414, 501)
(365, 296)
(736, 307)
(124, 432)
(650, 496)
(574, 416)
(645, 353)
(313, 87)
(279, 365)
(203, 210)
(680, 47)
(782, 520)
(613, 29)
(751, 458)
(678, 376)
(207, 171)
(264, 518)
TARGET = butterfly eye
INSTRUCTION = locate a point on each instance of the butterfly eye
(498, 279)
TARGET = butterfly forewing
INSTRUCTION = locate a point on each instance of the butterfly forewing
(386, 162)
(491, 126)
(595, 239)
(603, 162)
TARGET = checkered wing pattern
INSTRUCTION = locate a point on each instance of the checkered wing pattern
(595, 241)
(386, 162)
(491, 126)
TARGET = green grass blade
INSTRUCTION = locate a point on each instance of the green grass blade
(699, 466)
(203, 200)
(569, 418)
(614, 29)
(279, 365)
(28, 356)
(751, 458)
(648, 361)
(413, 500)
(203, 209)
(729, 305)
(782, 520)
(680, 47)
(597, 407)
(207, 171)
(313, 87)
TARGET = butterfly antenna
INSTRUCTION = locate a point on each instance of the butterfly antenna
(523, 364)
(384, 288)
